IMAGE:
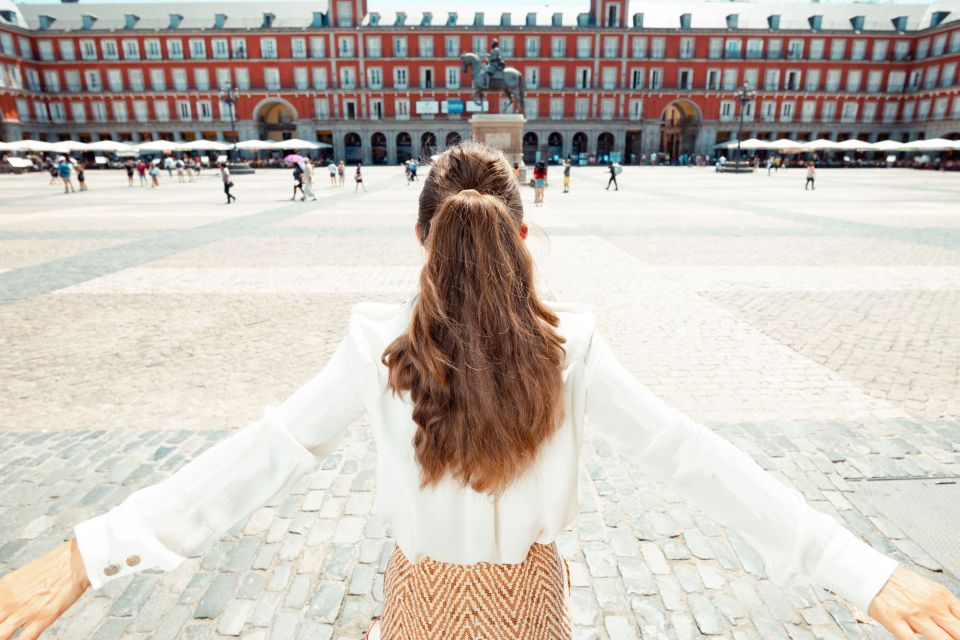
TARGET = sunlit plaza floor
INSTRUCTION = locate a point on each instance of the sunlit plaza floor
(815, 329)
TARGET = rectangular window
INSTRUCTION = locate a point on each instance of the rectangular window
(639, 48)
(849, 112)
(110, 51)
(174, 49)
(901, 49)
(344, 14)
(115, 79)
(908, 110)
(530, 109)
(792, 82)
(914, 82)
(45, 47)
(51, 81)
(754, 48)
(854, 80)
(685, 79)
(774, 48)
(816, 49)
(376, 109)
(656, 79)
(730, 79)
(319, 78)
(879, 52)
(838, 48)
(584, 46)
(57, 113)
(949, 73)
(772, 80)
(318, 47)
(658, 48)
(480, 44)
(92, 79)
(403, 109)
(732, 49)
(930, 77)
(751, 77)
(451, 45)
(532, 76)
(152, 48)
(301, 78)
(895, 81)
(321, 108)
(224, 79)
(268, 47)
(221, 48)
(271, 78)
(453, 77)
(23, 110)
(161, 110)
(828, 111)
(201, 79)
(120, 111)
(506, 46)
(426, 46)
(833, 80)
(158, 79)
(131, 50)
(298, 48)
(99, 111)
(636, 78)
(400, 78)
(345, 46)
(557, 77)
(869, 112)
(556, 108)
(607, 109)
(608, 77)
(809, 111)
(955, 48)
(716, 48)
(88, 50)
(426, 77)
(687, 47)
(204, 111)
(768, 111)
(184, 111)
(179, 79)
(636, 110)
(558, 47)
(374, 77)
(859, 50)
(939, 108)
(581, 109)
(67, 51)
(923, 48)
(242, 75)
(713, 80)
(726, 110)
(198, 48)
(374, 47)
(874, 80)
(795, 49)
(583, 77)
(78, 112)
(786, 111)
(400, 47)
(611, 46)
(532, 46)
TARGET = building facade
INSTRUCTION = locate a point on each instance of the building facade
(612, 80)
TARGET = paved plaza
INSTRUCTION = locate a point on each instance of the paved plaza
(817, 330)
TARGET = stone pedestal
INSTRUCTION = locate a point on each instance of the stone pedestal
(502, 131)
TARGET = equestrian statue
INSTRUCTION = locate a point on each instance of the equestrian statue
(489, 73)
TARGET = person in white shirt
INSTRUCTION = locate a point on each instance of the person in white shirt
(332, 169)
(308, 179)
(477, 393)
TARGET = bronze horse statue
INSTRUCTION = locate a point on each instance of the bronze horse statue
(511, 83)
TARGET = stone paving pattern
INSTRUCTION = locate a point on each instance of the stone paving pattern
(138, 327)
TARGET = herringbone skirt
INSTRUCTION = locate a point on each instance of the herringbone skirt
(433, 600)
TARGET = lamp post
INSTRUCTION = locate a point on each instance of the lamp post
(744, 95)
(229, 96)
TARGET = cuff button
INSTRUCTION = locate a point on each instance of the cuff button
(133, 561)
(112, 570)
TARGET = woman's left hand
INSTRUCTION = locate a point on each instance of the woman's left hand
(909, 604)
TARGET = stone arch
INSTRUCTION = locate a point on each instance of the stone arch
(531, 145)
(275, 117)
(404, 147)
(679, 128)
(605, 143)
(353, 148)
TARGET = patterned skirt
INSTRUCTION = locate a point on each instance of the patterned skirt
(433, 600)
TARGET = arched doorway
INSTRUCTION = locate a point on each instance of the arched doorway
(579, 145)
(531, 147)
(428, 146)
(604, 147)
(404, 147)
(378, 148)
(555, 146)
(352, 148)
(453, 139)
(679, 128)
(275, 119)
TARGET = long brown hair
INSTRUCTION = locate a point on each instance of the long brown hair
(481, 358)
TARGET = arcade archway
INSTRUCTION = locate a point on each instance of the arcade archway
(531, 145)
(679, 128)
(275, 119)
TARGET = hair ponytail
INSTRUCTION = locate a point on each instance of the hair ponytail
(480, 359)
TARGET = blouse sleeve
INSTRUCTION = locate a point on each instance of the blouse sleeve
(798, 544)
(159, 525)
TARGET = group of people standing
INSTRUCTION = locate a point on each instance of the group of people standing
(61, 171)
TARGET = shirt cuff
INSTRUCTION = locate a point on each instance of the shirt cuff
(853, 569)
(113, 545)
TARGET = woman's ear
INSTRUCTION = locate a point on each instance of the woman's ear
(523, 231)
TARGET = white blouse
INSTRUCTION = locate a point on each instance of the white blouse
(158, 526)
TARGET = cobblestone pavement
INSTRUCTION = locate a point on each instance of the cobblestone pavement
(816, 330)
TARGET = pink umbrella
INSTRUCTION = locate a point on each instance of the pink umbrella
(293, 158)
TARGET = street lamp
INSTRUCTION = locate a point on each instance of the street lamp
(229, 96)
(744, 96)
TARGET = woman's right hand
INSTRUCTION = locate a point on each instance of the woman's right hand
(35, 595)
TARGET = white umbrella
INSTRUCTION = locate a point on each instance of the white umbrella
(887, 145)
(205, 145)
(109, 145)
(933, 144)
(751, 144)
(73, 145)
(256, 144)
(37, 145)
(820, 144)
(854, 144)
(157, 145)
(785, 143)
(295, 143)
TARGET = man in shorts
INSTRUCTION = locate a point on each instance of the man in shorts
(566, 175)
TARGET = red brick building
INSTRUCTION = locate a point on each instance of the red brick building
(612, 78)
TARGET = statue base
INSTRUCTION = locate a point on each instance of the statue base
(737, 166)
(503, 131)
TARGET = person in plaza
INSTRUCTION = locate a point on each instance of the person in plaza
(358, 178)
(516, 171)
(769, 164)
(128, 165)
(197, 166)
(539, 182)
(64, 170)
(811, 175)
(298, 183)
(406, 171)
(567, 164)
(478, 392)
(341, 172)
(180, 167)
(613, 177)
(332, 170)
(168, 164)
(227, 182)
(413, 170)
(154, 174)
(142, 172)
(52, 169)
(81, 176)
(308, 179)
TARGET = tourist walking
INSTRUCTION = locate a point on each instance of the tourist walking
(811, 175)
(477, 391)
(341, 172)
(142, 172)
(169, 163)
(154, 175)
(613, 177)
(308, 179)
(63, 170)
(52, 169)
(332, 169)
(128, 165)
(81, 176)
(539, 182)
(358, 178)
(567, 164)
(180, 167)
(413, 170)
(298, 182)
(227, 182)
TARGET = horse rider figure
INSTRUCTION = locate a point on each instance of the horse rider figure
(493, 65)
